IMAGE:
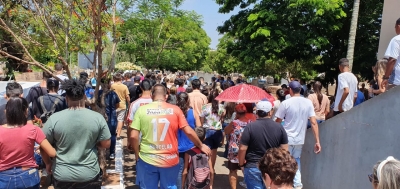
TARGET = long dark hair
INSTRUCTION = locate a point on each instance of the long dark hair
(214, 103)
(280, 94)
(16, 109)
(183, 102)
(317, 90)
(230, 109)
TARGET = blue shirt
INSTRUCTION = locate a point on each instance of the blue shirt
(111, 100)
(360, 98)
(184, 143)
(89, 92)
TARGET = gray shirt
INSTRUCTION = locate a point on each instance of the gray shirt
(74, 134)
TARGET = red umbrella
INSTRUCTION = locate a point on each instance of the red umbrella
(244, 94)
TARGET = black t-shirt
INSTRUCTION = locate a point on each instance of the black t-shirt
(129, 83)
(3, 118)
(259, 136)
(33, 94)
(134, 92)
(49, 100)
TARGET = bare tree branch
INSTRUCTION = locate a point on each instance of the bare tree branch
(24, 35)
(6, 28)
(35, 63)
(53, 37)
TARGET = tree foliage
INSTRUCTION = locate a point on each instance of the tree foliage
(159, 35)
(219, 60)
(270, 36)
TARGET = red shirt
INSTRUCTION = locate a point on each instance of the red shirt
(287, 92)
(17, 146)
(181, 90)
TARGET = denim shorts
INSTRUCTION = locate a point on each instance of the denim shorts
(318, 121)
(16, 178)
(148, 176)
(253, 178)
(213, 138)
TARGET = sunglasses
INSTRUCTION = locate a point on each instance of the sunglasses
(372, 179)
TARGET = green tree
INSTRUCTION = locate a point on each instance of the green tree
(276, 31)
(219, 60)
(306, 33)
(53, 26)
(158, 35)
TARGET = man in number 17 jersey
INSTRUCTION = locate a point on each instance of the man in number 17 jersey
(157, 158)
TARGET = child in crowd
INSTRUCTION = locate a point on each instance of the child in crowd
(191, 177)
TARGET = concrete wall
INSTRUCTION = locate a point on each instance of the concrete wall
(352, 143)
(389, 16)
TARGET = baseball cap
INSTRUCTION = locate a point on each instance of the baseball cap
(265, 106)
(295, 86)
(137, 78)
(94, 82)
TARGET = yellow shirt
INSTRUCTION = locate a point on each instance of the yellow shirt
(122, 92)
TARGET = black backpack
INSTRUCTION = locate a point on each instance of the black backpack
(135, 92)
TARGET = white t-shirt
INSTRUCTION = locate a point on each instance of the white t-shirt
(296, 111)
(346, 80)
(62, 77)
(393, 51)
(136, 105)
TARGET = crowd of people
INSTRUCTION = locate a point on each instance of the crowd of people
(175, 124)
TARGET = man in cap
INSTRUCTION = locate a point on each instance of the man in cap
(257, 138)
(296, 111)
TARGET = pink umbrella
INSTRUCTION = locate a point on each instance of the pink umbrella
(244, 93)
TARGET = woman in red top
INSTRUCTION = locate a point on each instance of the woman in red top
(234, 130)
(181, 87)
(18, 168)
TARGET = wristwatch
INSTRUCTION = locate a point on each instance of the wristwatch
(385, 77)
(241, 165)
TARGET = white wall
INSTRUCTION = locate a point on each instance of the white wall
(352, 143)
(391, 12)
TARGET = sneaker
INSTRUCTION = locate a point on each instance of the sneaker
(241, 183)
(112, 156)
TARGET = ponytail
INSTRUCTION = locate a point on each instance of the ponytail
(317, 89)
(182, 102)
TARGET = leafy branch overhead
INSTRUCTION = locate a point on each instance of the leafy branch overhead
(271, 35)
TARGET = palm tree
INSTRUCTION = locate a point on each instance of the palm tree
(352, 33)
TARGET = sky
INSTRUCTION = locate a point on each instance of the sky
(212, 19)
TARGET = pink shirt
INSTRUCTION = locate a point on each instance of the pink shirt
(17, 145)
(181, 90)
